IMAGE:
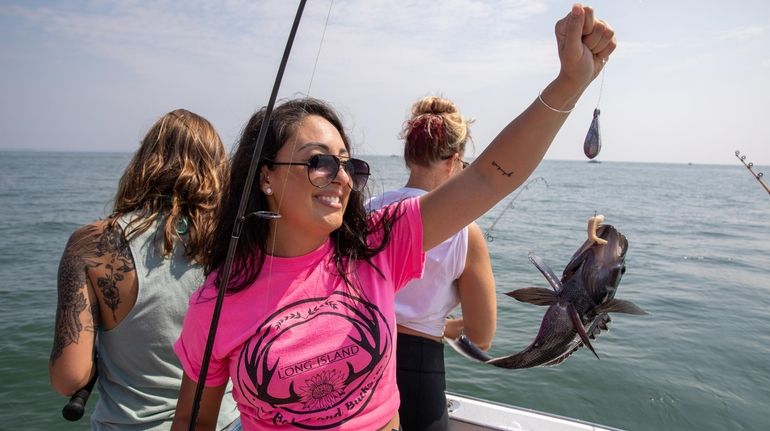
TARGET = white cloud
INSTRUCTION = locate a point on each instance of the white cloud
(637, 48)
(743, 33)
(148, 37)
(115, 64)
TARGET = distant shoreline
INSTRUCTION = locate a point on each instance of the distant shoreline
(38, 151)
(122, 152)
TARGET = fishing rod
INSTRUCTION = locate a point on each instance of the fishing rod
(239, 219)
(750, 166)
(76, 406)
(488, 233)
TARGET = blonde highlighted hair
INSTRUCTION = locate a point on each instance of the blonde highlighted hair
(435, 131)
(176, 175)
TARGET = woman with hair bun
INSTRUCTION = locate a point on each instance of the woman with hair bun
(457, 271)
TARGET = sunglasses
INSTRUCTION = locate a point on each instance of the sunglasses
(322, 169)
(463, 162)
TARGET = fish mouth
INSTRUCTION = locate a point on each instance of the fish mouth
(615, 249)
(612, 258)
(617, 244)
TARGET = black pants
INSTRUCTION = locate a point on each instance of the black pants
(421, 383)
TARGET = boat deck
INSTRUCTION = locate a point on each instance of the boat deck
(472, 414)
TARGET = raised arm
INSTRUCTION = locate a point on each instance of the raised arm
(584, 44)
(477, 294)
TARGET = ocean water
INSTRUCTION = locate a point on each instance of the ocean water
(698, 262)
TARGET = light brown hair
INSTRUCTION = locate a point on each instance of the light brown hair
(435, 131)
(177, 173)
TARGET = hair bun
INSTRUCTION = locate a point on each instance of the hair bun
(433, 105)
(434, 131)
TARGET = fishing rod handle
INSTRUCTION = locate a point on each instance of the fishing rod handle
(76, 406)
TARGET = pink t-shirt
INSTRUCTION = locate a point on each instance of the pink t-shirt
(302, 349)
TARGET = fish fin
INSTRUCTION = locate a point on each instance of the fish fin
(599, 324)
(534, 295)
(550, 342)
(573, 314)
(547, 272)
(620, 306)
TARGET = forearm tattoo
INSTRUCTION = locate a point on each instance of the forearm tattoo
(499, 168)
(89, 248)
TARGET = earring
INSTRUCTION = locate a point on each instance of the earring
(268, 190)
(182, 225)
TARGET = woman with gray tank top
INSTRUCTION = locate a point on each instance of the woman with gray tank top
(124, 282)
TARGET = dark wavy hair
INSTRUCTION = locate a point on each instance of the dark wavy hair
(350, 242)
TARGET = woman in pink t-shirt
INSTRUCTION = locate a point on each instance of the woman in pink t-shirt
(308, 328)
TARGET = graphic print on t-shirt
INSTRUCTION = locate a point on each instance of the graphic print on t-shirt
(315, 363)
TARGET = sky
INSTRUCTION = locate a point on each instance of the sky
(688, 83)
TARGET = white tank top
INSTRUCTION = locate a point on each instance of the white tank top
(424, 304)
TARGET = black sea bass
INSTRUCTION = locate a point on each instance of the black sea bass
(578, 305)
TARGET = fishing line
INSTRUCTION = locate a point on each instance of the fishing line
(601, 88)
(488, 233)
(286, 178)
(309, 86)
(239, 219)
(750, 167)
(320, 45)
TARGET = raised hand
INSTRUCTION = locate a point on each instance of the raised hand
(585, 43)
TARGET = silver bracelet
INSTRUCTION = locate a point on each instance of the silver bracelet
(560, 111)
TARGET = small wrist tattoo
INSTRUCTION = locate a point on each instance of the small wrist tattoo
(499, 168)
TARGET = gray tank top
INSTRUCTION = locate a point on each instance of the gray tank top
(139, 374)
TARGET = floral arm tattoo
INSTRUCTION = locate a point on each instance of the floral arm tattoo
(89, 248)
(113, 249)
